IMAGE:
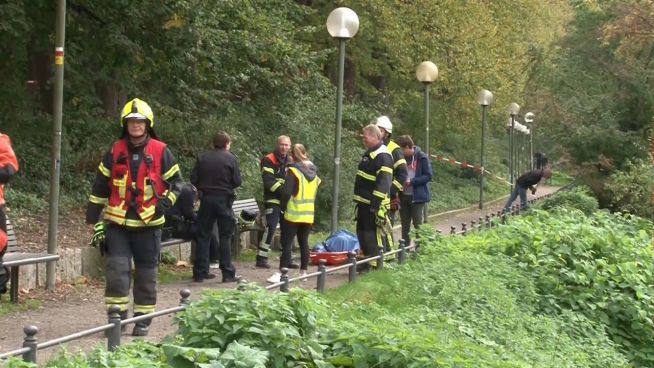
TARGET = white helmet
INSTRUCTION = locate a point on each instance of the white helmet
(384, 122)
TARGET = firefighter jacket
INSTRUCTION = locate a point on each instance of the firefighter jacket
(374, 176)
(8, 168)
(400, 173)
(135, 184)
(8, 164)
(273, 172)
(299, 193)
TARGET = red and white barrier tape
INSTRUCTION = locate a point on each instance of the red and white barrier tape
(466, 165)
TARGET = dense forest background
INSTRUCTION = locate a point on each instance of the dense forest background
(261, 68)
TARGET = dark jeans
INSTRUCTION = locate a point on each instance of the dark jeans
(410, 212)
(214, 209)
(289, 231)
(518, 191)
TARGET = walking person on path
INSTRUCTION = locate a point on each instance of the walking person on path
(216, 174)
(416, 194)
(528, 180)
(298, 198)
(137, 181)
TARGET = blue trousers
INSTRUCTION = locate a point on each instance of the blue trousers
(518, 191)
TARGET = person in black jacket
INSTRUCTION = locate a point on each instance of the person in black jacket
(181, 222)
(216, 174)
(273, 172)
(372, 186)
(526, 181)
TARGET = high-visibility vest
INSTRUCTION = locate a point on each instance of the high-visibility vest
(125, 190)
(301, 207)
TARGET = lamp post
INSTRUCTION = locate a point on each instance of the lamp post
(529, 119)
(427, 73)
(514, 109)
(342, 24)
(484, 99)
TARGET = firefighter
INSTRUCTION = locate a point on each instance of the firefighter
(399, 164)
(371, 195)
(136, 183)
(273, 172)
(8, 168)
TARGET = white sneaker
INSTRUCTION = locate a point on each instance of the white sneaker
(303, 273)
(275, 278)
(214, 266)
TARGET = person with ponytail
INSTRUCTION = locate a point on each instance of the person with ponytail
(298, 198)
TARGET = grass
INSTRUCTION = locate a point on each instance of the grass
(169, 274)
(6, 307)
(560, 179)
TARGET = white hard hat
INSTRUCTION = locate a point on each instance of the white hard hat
(384, 122)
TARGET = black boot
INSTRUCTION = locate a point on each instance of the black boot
(141, 328)
(262, 262)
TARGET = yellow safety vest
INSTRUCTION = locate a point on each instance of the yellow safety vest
(301, 207)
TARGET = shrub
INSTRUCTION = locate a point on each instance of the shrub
(630, 190)
(578, 198)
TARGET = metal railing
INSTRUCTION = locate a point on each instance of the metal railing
(114, 326)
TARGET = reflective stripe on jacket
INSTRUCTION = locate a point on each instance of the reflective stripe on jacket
(374, 176)
(141, 193)
(301, 206)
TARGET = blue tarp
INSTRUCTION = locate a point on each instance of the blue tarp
(340, 241)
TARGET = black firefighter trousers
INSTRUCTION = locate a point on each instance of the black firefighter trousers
(124, 244)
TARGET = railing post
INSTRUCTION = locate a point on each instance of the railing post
(402, 254)
(472, 224)
(504, 217)
(185, 294)
(322, 268)
(113, 341)
(481, 222)
(30, 341)
(452, 230)
(352, 271)
(488, 221)
(464, 228)
(284, 279)
(380, 261)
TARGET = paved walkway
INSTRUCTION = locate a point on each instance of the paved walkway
(84, 310)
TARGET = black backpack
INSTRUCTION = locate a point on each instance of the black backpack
(4, 279)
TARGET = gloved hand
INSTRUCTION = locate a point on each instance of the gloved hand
(380, 217)
(162, 206)
(395, 203)
(99, 230)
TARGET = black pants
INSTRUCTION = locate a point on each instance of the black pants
(410, 212)
(273, 213)
(214, 209)
(371, 238)
(143, 245)
(289, 231)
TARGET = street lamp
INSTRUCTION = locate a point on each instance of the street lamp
(484, 99)
(529, 118)
(342, 24)
(514, 109)
(427, 73)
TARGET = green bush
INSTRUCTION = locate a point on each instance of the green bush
(631, 190)
(599, 265)
(578, 198)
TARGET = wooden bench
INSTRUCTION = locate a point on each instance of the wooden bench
(13, 259)
(237, 207)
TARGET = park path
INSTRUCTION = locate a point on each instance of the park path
(81, 309)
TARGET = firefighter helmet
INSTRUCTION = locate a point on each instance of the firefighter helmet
(246, 218)
(137, 109)
(384, 122)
